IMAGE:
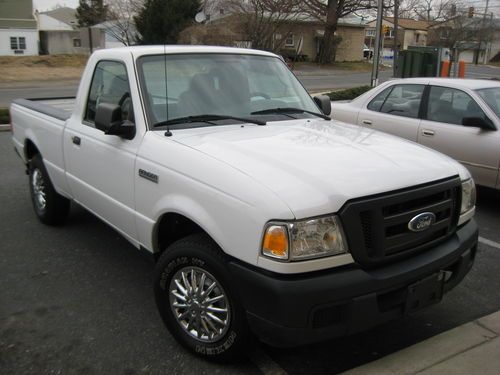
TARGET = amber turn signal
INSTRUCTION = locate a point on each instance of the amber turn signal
(275, 242)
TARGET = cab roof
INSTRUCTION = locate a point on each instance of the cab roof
(138, 51)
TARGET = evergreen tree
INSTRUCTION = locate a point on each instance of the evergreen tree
(161, 21)
(91, 12)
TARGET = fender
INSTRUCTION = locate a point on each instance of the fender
(189, 208)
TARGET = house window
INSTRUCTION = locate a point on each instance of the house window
(444, 34)
(289, 41)
(370, 32)
(389, 33)
(77, 42)
(417, 38)
(17, 43)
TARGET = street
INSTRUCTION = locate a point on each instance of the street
(77, 299)
(314, 81)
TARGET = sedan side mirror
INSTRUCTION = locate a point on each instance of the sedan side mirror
(324, 103)
(108, 118)
(478, 122)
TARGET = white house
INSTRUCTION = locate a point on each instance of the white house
(18, 28)
(59, 32)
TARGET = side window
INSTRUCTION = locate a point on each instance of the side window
(109, 85)
(451, 106)
(404, 100)
(379, 100)
(399, 100)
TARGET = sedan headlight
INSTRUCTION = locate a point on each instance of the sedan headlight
(468, 196)
(307, 239)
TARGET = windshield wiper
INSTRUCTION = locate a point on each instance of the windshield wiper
(285, 110)
(206, 118)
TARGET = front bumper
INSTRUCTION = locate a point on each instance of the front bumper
(290, 310)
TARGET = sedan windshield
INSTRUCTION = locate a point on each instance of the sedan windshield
(492, 97)
(243, 86)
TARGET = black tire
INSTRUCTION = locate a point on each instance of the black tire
(55, 208)
(199, 252)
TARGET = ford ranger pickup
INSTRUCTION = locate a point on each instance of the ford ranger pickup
(266, 218)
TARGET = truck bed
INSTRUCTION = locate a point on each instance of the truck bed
(60, 108)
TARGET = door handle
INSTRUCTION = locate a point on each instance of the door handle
(427, 132)
(367, 122)
(76, 140)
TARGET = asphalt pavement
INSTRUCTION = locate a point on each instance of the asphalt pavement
(78, 299)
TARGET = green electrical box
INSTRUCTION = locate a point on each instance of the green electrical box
(418, 62)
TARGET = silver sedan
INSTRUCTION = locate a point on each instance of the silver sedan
(458, 117)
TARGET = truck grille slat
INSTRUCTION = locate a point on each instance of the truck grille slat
(377, 227)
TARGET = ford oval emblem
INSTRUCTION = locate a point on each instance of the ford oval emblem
(422, 222)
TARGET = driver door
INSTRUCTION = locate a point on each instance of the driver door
(100, 167)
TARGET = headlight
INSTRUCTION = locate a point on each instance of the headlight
(307, 239)
(468, 196)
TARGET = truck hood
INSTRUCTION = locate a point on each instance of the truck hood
(315, 166)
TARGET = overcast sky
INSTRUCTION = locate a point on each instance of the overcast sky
(43, 5)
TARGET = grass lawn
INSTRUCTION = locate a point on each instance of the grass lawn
(41, 68)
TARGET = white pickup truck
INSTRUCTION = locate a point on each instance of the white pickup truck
(266, 218)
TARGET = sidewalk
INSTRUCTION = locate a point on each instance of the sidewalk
(473, 348)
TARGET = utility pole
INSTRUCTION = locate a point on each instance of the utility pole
(376, 54)
(483, 31)
(395, 47)
(90, 40)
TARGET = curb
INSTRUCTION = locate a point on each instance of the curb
(4, 128)
(462, 350)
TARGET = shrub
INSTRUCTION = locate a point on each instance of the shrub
(4, 116)
(348, 94)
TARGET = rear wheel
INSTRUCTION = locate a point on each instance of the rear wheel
(50, 207)
(197, 302)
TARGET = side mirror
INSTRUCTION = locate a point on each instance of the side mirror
(108, 118)
(324, 103)
(478, 122)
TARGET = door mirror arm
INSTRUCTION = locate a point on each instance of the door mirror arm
(125, 129)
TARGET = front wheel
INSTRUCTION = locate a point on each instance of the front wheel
(197, 302)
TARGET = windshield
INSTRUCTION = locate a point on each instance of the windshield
(176, 86)
(492, 97)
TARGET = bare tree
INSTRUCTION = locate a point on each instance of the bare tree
(407, 8)
(434, 10)
(460, 33)
(329, 12)
(120, 22)
(263, 20)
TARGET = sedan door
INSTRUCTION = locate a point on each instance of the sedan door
(395, 110)
(442, 129)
